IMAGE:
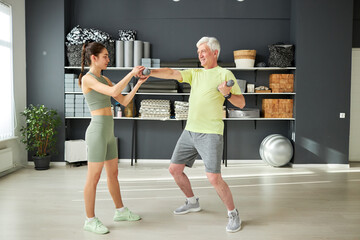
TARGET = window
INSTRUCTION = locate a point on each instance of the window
(7, 111)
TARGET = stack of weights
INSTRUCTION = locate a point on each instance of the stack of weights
(181, 110)
(155, 108)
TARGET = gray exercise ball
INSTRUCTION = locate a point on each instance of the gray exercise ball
(276, 150)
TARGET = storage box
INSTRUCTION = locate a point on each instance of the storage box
(281, 83)
(277, 108)
(244, 113)
(75, 151)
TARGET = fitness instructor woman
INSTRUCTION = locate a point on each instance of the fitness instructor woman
(100, 139)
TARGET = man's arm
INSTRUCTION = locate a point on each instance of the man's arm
(237, 100)
(166, 73)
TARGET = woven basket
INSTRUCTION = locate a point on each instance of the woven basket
(245, 54)
(244, 58)
(73, 53)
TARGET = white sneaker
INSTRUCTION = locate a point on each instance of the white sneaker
(188, 207)
(234, 223)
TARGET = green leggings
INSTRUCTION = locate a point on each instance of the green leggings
(100, 139)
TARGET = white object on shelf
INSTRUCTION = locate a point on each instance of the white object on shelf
(250, 88)
(75, 151)
(244, 63)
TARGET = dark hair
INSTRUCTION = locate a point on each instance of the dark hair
(88, 49)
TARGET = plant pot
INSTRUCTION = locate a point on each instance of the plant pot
(42, 163)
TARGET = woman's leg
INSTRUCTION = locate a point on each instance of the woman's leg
(111, 167)
(92, 179)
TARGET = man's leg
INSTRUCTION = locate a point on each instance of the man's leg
(222, 189)
(191, 203)
(177, 171)
(210, 147)
(184, 155)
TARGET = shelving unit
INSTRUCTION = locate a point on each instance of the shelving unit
(226, 120)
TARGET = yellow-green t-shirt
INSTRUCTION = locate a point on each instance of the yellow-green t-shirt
(206, 102)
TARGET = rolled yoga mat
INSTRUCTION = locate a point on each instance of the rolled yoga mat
(128, 53)
(146, 50)
(138, 52)
(119, 56)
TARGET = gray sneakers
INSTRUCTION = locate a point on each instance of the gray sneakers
(188, 207)
(234, 224)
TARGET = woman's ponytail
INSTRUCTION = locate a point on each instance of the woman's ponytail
(88, 49)
(83, 60)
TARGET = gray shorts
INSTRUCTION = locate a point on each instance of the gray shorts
(208, 146)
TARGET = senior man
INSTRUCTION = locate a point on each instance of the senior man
(204, 129)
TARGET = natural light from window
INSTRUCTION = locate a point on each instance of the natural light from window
(6, 71)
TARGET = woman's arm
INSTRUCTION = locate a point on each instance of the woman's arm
(111, 90)
(124, 100)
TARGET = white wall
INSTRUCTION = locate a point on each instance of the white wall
(19, 51)
(354, 149)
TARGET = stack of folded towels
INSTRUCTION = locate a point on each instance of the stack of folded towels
(159, 86)
(186, 88)
(155, 108)
(181, 110)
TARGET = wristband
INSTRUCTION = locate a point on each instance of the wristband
(227, 96)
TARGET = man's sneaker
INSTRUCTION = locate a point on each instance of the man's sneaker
(234, 224)
(95, 226)
(188, 207)
(126, 215)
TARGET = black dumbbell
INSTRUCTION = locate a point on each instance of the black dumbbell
(229, 83)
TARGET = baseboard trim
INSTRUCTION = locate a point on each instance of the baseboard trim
(328, 165)
(148, 160)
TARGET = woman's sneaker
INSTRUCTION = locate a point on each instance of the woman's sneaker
(95, 226)
(188, 207)
(234, 224)
(126, 215)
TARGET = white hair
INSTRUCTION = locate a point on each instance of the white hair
(212, 43)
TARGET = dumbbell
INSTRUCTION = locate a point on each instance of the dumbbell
(229, 83)
(146, 72)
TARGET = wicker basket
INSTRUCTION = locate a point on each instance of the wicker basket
(73, 53)
(277, 108)
(280, 83)
(244, 58)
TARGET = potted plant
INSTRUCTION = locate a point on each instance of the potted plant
(39, 133)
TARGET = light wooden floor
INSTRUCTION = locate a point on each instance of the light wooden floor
(274, 203)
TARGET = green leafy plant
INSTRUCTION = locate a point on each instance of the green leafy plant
(39, 132)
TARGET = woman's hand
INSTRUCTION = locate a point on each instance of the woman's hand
(142, 79)
(136, 71)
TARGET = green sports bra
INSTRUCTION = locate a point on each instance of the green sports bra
(96, 100)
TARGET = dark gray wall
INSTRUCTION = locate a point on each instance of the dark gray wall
(174, 28)
(323, 34)
(44, 58)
